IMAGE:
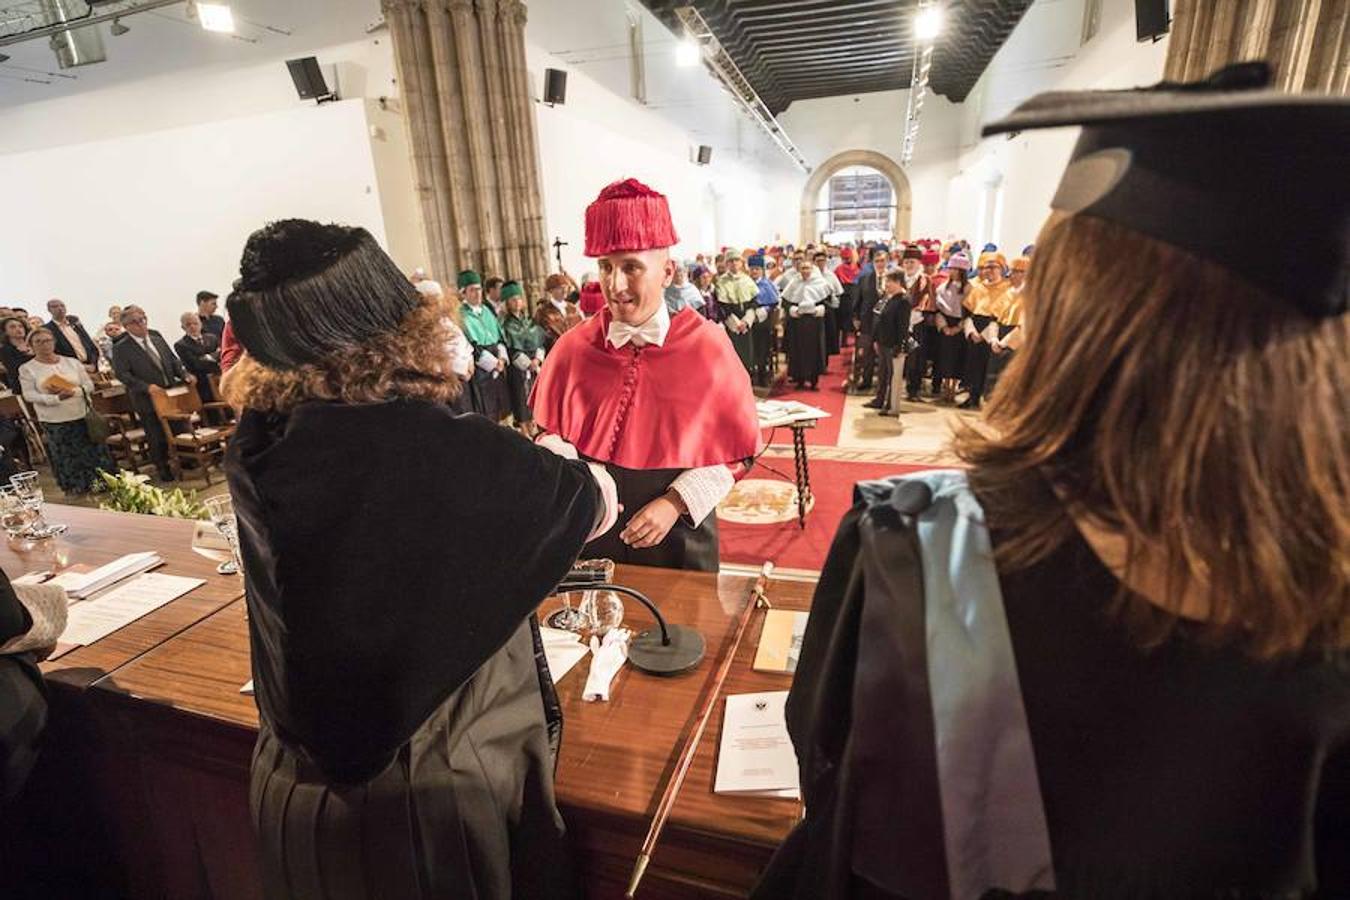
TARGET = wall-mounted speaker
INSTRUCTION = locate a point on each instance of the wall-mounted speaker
(309, 83)
(1152, 19)
(704, 154)
(555, 86)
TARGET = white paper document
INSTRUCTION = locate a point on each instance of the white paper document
(775, 413)
(90, 620)
(562, 649)
(79, 585)
(756, 757)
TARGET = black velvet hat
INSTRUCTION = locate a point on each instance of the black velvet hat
(308, 291)
(1220, 168)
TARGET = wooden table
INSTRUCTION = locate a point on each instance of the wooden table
(96, 537)
(186, 730)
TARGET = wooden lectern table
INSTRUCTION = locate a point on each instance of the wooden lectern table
(174, 737)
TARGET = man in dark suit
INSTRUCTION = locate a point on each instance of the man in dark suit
(71, 338)
(141, 360)
(200, 353)
(206, 309)
(871, 291)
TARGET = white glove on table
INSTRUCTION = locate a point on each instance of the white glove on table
(607, 658)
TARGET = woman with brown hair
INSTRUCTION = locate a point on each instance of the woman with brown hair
(394, 555)
(1113, 659)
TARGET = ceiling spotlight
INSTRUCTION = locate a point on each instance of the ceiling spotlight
(928, 23)
(3, 58)
(687, 53)
(118, 29)
(216, 17)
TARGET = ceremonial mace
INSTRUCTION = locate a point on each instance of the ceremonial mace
(758, 598)
(558, 244)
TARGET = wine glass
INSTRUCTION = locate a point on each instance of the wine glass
(16, 516)
(221, 511)
(29, 489)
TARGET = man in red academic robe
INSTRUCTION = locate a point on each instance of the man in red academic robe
(662, 401)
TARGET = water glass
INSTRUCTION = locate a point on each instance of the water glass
(221, 511)
(29, 489)
(16, 516)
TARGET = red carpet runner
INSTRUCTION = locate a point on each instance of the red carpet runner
(786, 544)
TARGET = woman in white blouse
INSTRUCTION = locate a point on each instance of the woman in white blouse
(57, 387)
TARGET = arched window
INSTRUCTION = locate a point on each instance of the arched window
(856, 203)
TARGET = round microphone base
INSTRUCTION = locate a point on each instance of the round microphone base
(684, 652)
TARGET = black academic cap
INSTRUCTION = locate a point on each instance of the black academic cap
(1219, 168)
(307, 292)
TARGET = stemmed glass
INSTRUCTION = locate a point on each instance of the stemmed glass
(221, 511)
(15, 515)
(29, 489)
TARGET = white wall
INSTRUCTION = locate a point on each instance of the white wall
(598, 136)
(825, 127)
(154, 217)
(1017, 178)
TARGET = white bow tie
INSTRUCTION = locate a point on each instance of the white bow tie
(650, 333)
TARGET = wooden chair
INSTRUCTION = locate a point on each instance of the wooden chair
(12, 406)
(181, 413)
(127, 443)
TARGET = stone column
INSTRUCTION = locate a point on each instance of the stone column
(412, 55)
(1305, 41)
(534, 245)
(507, 196)
(465, 87)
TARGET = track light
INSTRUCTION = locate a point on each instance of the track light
(118, 29)
(216, 17)
(687, 53)
(928, 23)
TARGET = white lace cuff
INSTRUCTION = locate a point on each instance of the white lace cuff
(702, 489)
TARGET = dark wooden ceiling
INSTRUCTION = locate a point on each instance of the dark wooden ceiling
(798, 49)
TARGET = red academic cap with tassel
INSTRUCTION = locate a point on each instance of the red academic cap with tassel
(628, 216)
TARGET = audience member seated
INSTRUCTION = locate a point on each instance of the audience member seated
(59, 388)
(71, 338)
(200, 352)
(14, 352)
(353, 480)
(141, 361)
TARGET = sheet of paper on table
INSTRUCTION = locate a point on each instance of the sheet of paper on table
(755, 758)
(776, 413)
(90, 620)
(80, 582)
(562, 649)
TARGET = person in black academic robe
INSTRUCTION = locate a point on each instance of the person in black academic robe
(23, 705)
(1016, 682)
(394, 554)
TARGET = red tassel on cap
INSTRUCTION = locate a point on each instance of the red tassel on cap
(628, 216)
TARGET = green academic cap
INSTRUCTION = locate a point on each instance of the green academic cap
(468, 277)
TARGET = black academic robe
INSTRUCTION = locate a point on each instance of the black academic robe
(1179, 770)
(685, 546)
(394, 554)
(23, 705)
